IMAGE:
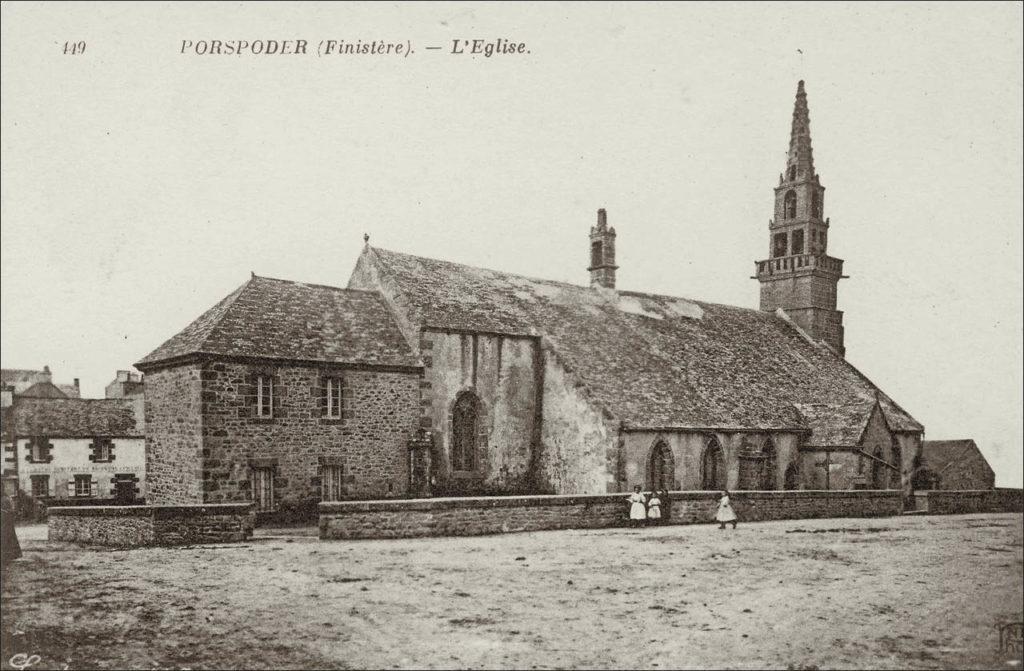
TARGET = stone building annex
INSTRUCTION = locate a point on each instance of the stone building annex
(425, 377)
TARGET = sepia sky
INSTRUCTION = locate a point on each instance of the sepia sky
(141, 185)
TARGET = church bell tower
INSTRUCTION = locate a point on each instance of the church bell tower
(799, 276)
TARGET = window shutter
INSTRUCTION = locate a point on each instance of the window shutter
(94, 488)
(50, 487)
(71, 488)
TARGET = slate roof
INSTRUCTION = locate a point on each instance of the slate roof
(44, 390)
(75, 417)
(654, 361)
(279, 319)
(22, 378)
(940, 455)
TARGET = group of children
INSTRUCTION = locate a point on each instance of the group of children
(645, 509)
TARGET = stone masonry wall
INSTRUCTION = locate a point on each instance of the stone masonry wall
(139, 526)
(487, 515)
(943, 502)
(173, 436)
(370, 441)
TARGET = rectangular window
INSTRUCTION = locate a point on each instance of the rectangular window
(263, 488)
(264, 396)
(38, 452)
(83, 485)
(334, 399)
(798, 242)
(124, 487)
(40, 486)
(779, 248)
(332, 483)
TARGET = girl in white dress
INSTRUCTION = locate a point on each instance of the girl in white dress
(637, 509)
(725, 512)
(654, 508)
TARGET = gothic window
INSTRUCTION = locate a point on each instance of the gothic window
(779, 248)
(712, 466)
(465, 426)
(768, 465)
(792, 173)
(815, 205)
(789, 205)
(595, 253)
(792, 477)
(662, 467)
(822, 238)
(798, 242)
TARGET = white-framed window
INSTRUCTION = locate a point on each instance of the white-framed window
(83, 485)
(334, 398)
(264, 396)
(263, 488)
(332, 483)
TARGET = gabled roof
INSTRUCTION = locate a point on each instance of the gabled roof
(653, 361)
(22, 378)
(271, 318)
(44, 390)
(69, 390)
(941, 455)
(75, 417)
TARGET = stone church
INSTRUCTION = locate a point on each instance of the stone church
(429, 378)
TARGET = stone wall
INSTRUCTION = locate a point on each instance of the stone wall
(501, 371)
(949, 502)
(581, 453)
(174, 436)
(482, 515)
(138, 526)
(369, 442)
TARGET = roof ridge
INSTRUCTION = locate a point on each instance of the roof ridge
(628, 292)
(309, 284)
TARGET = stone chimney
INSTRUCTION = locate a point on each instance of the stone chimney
(602, 253)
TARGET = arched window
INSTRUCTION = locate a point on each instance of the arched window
(465, 426)
(768, 465)
(712, 466)
(792, 476)
(792, 173)
(661, 470)
(595, 253)
(877, 470)
(789, 204)
(815, 205)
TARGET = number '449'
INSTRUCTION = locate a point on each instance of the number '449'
(74, 48)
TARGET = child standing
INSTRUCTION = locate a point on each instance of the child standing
(637, 509)
(725, 512)
(654, 508)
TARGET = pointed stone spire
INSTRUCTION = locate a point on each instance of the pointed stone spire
(800, 154)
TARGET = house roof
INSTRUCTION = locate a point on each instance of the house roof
(44, 390)
(279, 319)
(75, 417)
(69, 390)
(22, 378)
(650, 360)
(940, 455)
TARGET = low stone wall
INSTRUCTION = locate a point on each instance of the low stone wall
(137, 526)
(487, 515)
(950, 502)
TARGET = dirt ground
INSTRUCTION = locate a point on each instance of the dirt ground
(905, 592)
